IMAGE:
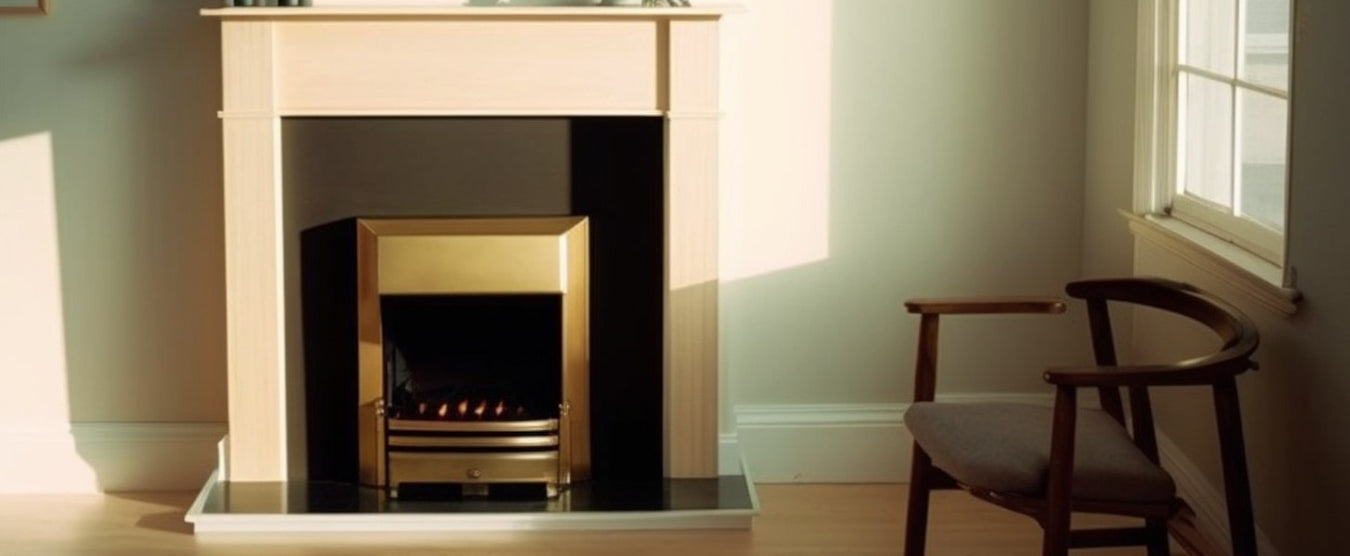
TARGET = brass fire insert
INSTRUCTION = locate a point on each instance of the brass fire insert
(466, 257)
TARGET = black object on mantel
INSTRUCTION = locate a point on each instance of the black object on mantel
(265, 3)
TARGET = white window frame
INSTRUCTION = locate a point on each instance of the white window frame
(1245, 253)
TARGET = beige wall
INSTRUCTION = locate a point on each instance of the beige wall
(127, 91)
(125, 223)
(955, 166)
(1294, 408)
(1109, 165)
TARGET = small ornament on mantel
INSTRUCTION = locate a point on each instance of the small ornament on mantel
(266, 3)
(647, 3)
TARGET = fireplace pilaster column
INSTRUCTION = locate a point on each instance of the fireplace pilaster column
(257, 446)
(691, 250)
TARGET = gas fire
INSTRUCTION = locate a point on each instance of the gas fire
(465, 409)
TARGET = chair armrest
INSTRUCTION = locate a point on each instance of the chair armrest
(984, 305)
(1198, 372)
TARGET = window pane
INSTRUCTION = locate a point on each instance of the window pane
(1208, 40)
(1206, 139)
(1265, 51)
(1263, 133)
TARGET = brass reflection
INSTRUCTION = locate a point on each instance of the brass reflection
(474, 256)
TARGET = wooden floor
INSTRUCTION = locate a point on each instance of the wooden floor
(794, 520)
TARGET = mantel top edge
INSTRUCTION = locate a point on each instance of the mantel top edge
(476, 12)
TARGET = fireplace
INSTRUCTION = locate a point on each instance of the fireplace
(466, 62)
(654, 70)
(474, 354)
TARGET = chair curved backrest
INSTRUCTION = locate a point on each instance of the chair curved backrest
(1233, 326)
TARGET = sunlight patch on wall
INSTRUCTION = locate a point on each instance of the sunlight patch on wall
(34, 406)
(31, 333)
(776, 161)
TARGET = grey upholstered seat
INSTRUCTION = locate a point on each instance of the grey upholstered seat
(1006, 447)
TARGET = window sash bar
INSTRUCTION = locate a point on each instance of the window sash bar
(1234, 81)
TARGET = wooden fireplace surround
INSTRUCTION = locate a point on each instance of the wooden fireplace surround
(491, 61)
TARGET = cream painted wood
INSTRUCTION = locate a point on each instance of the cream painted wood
(253, 282)
(693, 59)
(255, 331)
(704, 10)
(445, 65)
(470, 62)
(691, 306)
(691, 378)
(246, 66)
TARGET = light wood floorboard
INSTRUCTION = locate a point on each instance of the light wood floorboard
(795, 520)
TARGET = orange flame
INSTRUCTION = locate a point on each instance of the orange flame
(442, 410)
(479, 409)
(463, 407)
(499, 409)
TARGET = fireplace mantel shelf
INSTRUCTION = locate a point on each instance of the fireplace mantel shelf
(482, 12)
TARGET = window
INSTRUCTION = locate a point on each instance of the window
(1220, 93)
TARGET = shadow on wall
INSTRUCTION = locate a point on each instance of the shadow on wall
(124, 305)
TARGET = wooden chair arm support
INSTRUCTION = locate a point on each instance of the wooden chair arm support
(1201, 372)
(985, 305)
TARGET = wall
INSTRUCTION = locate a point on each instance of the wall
(1109, 166)
(1293, 408)
(955, 166)
(128, 352)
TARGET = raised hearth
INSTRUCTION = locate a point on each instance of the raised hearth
(300, 506)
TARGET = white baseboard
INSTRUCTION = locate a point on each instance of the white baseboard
(824, 443)
(103, 457)
(729, 459)
(836, 443)
(1211, 513)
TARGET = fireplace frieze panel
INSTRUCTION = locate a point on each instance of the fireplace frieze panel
(592, 66)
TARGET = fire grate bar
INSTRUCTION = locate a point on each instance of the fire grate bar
(396, 441)
(413, 425)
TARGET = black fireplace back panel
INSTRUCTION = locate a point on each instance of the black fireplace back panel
(617, 180)
(503, 352)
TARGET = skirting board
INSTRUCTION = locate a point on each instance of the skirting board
(106, 457)
(834, 443)
(1211, 514)
(868, 443)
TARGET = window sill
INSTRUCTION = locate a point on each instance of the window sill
(1258, 278)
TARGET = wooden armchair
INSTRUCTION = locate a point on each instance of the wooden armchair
(1047, 462)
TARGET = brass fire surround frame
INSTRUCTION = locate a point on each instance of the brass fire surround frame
(525, 255)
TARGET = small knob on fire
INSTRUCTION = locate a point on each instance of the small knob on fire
(474, 473)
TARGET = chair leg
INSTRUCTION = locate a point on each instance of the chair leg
(1157, 537)
(1055, 541)
(1238, 493)
(1058, 513)
(916, 517)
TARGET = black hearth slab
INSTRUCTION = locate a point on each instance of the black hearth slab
(732, 493)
